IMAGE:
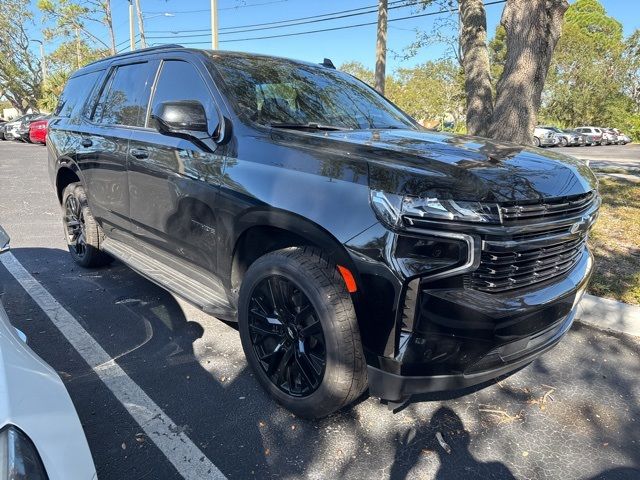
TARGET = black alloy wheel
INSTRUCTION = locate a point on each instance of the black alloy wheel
(83, 234)
(300, 333)
(287, 336)
(75, 227)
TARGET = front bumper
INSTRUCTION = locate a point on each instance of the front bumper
(466, 337)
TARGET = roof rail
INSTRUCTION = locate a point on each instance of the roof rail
(133, 52)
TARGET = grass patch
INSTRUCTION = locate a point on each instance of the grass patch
(615, 242)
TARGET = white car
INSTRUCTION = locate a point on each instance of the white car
(623, 138)
(543, 137)
(41, 437)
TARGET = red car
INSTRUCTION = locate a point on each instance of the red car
(38, 131)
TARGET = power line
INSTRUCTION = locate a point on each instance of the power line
(301, 20)
(265, 37)
(228, 8)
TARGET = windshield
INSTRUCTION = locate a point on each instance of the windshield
(272, 91)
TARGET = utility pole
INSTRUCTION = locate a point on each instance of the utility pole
(381, 45)
(214, 24)
(132, 28)
(78, 56)
(43, 60)
(143, 41)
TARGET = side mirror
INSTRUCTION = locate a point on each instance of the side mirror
(180, 118)
(4, 241)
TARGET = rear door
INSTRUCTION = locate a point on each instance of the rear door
(173, 182)
(120, 108)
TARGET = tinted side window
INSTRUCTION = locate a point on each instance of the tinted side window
(75, 93)
(181, 81)
(125, 97)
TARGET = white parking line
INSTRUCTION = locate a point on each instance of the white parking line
(176, 446)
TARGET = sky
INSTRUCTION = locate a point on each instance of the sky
(162, 17)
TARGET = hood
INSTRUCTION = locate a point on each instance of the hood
(444, 165)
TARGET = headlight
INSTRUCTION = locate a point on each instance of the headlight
(391, 209)
(19, 459)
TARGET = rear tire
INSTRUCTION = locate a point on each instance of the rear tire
(563, 142)
(82, 232)
(318, 299)
(536, 141)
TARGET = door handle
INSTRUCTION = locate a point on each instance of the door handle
(86, 142)
(139, 152)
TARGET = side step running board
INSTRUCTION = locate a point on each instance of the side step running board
(206, 293)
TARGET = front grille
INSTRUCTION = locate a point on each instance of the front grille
(555, 207)
(541, 242)
(500, 271)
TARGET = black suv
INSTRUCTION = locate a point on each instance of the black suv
(355, 249)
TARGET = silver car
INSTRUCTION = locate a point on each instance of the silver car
(566, 138)
(593, 134)
(544, 138)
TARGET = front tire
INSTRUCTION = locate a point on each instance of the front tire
(299, 332)
(82, 232)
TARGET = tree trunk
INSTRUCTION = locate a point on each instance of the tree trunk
(108, 20)
(533, 28)
(475, 62)
(381, 45)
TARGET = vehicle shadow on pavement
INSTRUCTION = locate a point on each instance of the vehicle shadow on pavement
(574, 412)
(147, 332)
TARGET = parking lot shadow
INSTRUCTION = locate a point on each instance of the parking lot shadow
(147, 332)
(192, 366)
(446, 435)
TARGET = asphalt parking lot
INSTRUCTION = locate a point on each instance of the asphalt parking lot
(573, 414)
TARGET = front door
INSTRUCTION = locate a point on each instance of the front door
(173, 182)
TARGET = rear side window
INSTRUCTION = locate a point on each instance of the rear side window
(181, 81)
(125, 97)
(75, 94)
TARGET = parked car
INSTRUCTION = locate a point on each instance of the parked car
(565, 138)
(38, 130)
(15, 130)
(609, 136)
(543, 137)
(593, 134)
(41, 437)
(578, 139)
(2, 126)
(11, 129)
(25, 127)
(623, 138)
(353, 247)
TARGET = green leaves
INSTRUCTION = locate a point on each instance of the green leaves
(592, 77)
(432, 93)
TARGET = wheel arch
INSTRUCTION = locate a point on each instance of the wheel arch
(67, 172)
(260, 232)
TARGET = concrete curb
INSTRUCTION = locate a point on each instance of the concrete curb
(609, 314)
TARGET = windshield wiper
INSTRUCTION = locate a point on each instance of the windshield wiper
(310, 125)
